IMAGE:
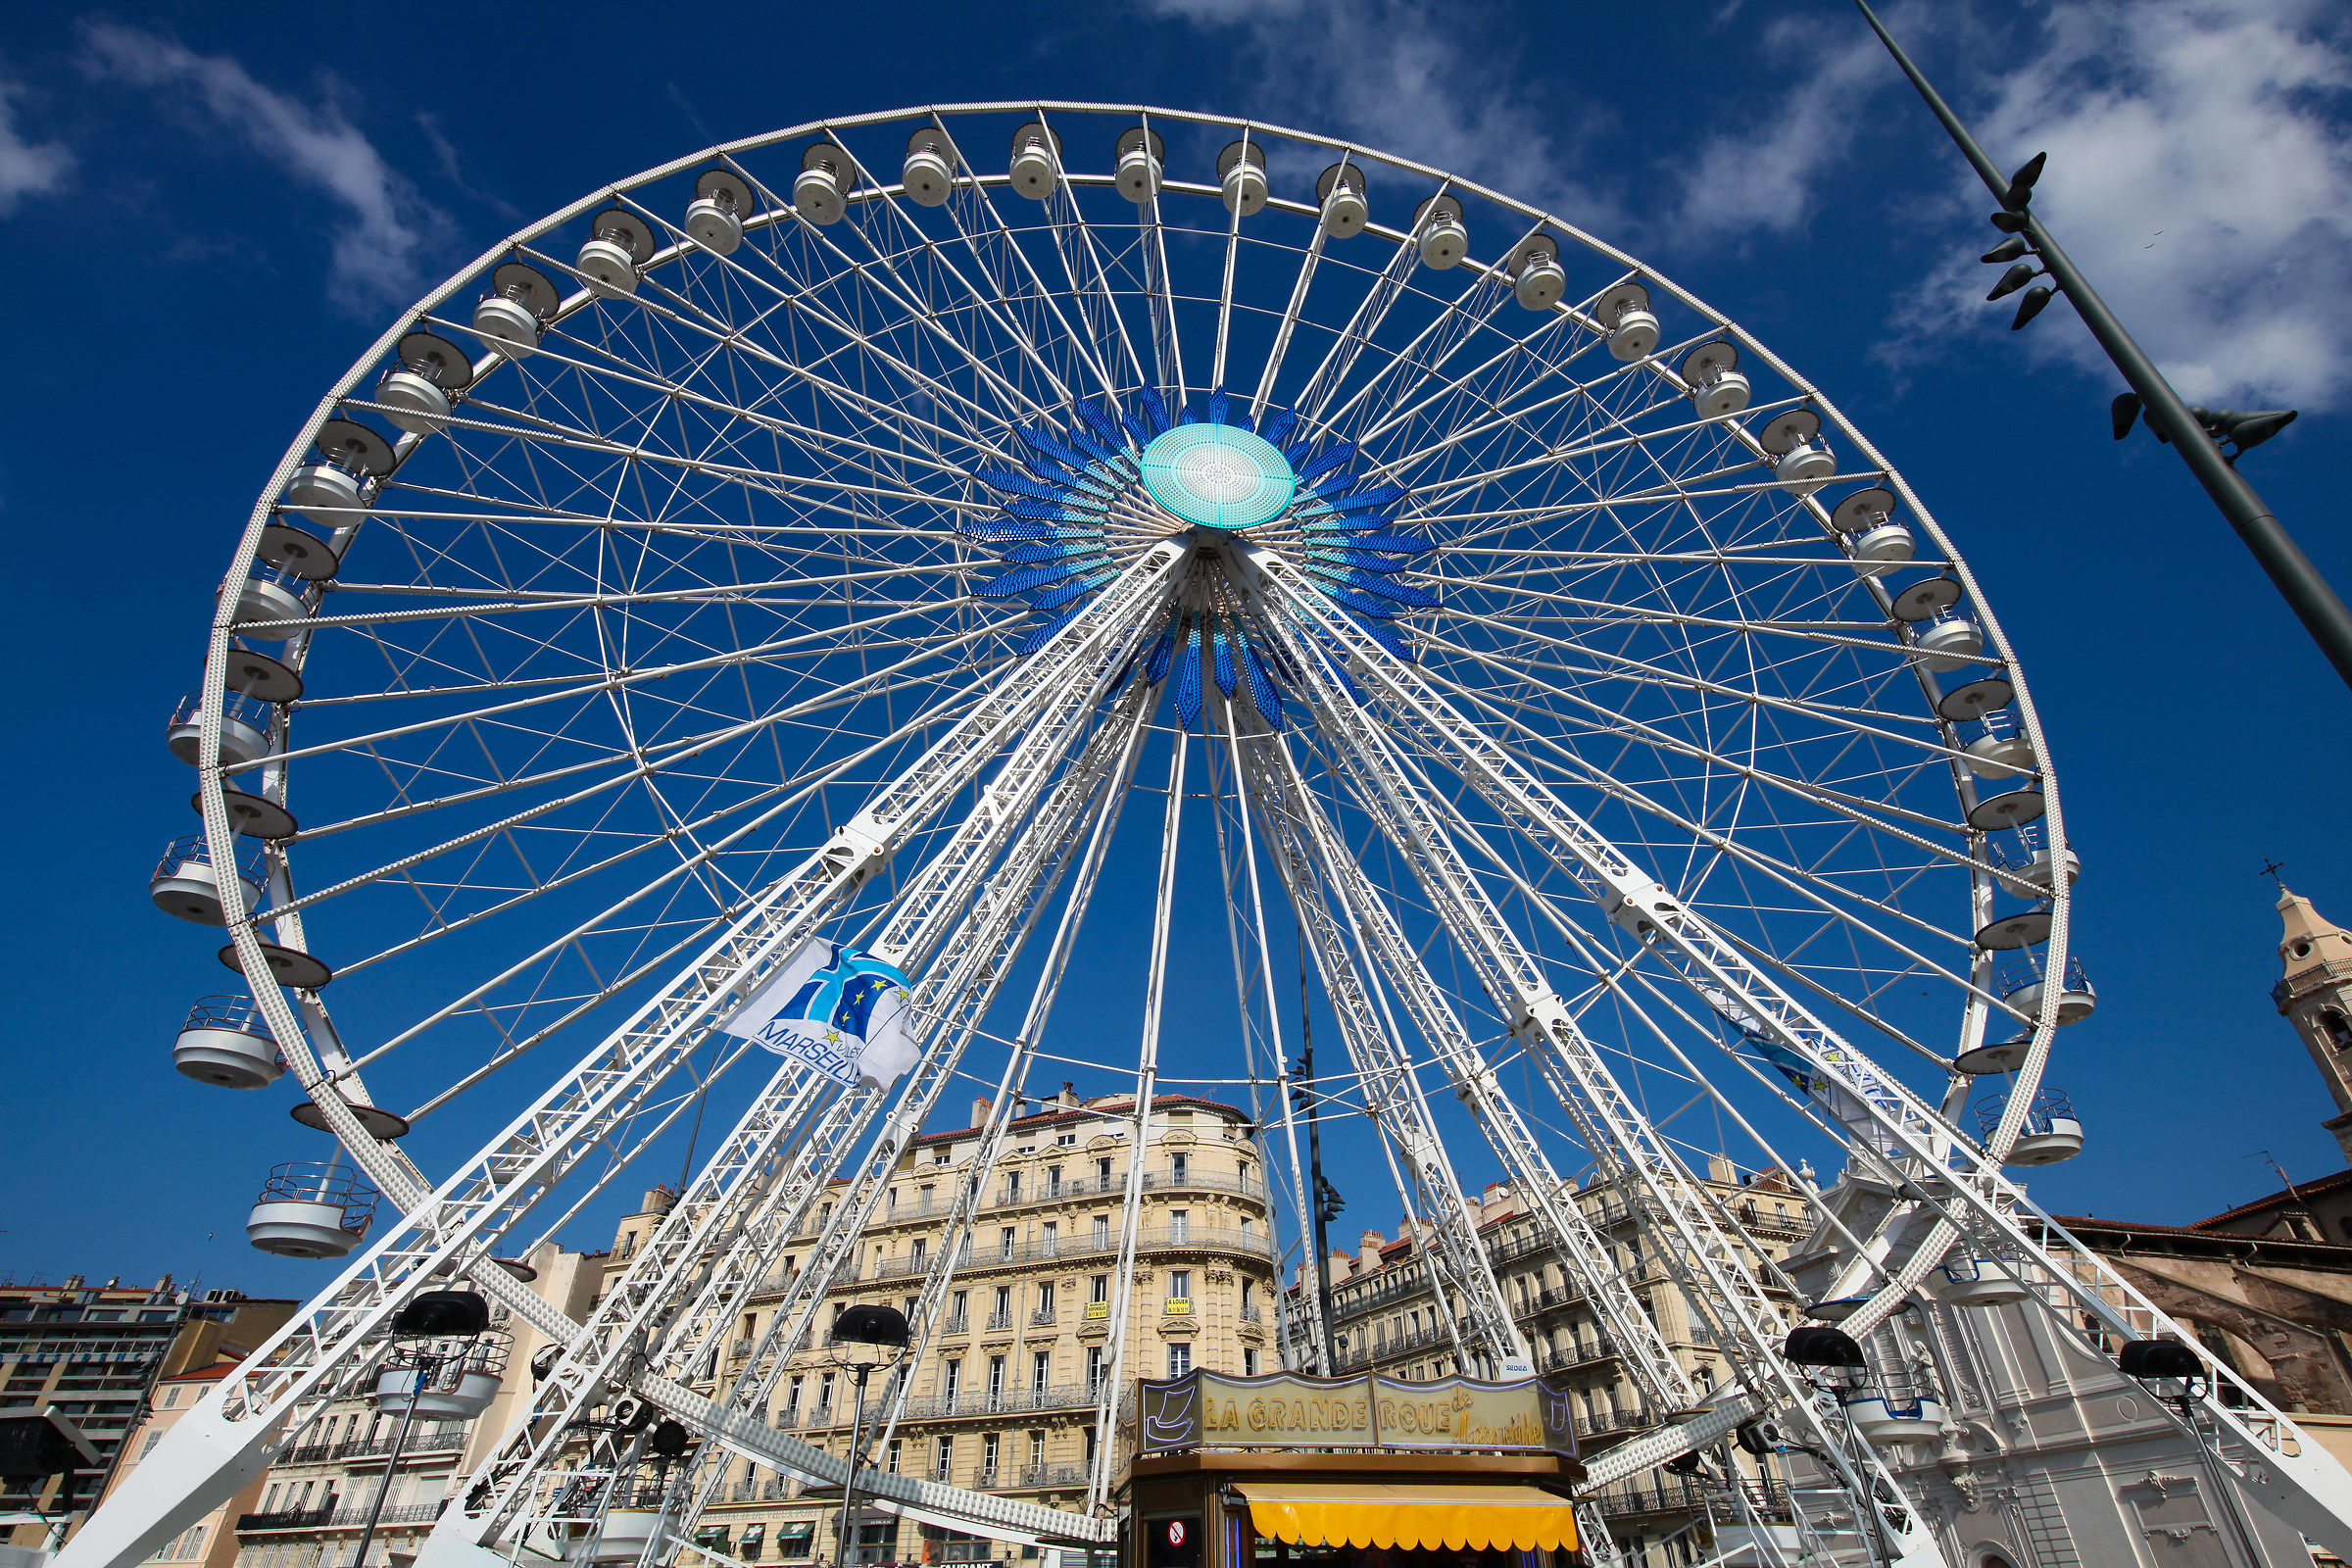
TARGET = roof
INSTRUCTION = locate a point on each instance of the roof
(2188, 1238)
(1095, 1109)
(204, 1374)
(2301, 1193)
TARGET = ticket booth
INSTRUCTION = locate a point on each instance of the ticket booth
(1364, 1471)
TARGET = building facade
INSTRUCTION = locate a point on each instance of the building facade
(1003, 1396)
(310, 1507)
(1386, 1316)
(212, 1540)
(97, 1351)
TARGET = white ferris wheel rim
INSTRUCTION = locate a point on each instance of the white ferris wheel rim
(412, 1190)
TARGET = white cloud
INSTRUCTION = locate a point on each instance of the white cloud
(377, 253)
(1762, 177)
(26, 169)
(2198, 176)
(1406, 80)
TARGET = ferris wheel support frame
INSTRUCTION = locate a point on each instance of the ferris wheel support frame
(953, 997)
(221, 1441)
(2306, 1487)
(1576, 1245)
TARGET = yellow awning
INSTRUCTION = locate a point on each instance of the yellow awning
(1369, 1513)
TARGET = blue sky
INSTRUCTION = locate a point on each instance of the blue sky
(209, 211)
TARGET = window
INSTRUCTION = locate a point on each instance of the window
(890, 1199)
(2337, 1028)
(996, 1381)
(1093, 1371)
(792, 1401)
(897, 1444)
(1001, 1316)
(930, 1195)
(1045, 1300)
(171, 1397)
(950, 1379)
(939, 1157)
(793, 1538)
(915, 1253)
(1102, 1232)
(1050, 1239)
(1180, 1290)
(628, 1245)
(1066, 1140)
(1179, 1167)
(1041, 1370)
(1103, 1170)
(1037, 1447)
(824, 1391)
(153, 1438)
(1180, 1358)
(1053, 1178)
(1099, 1287)
(1012, 1186)
(1248, 1363)
(1180, 1225)
(1006, 1240)
(942, 1458)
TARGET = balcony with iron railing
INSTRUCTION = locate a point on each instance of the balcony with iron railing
(1068, 1248)
(288, 1518)
(1052, 1475)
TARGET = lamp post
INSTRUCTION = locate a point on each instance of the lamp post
(2315, 603)
(432, 1315)
(864, 1336)
(1837, 1362)
(2155, 1362)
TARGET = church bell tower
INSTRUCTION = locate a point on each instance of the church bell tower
(2316, 995)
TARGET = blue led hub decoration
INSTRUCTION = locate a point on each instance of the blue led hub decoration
(1205, 470)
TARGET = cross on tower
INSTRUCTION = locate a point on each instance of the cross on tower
(2272, 870)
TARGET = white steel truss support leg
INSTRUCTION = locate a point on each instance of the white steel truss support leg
(1708, 1267)
(216, 1446)
(956, 1232)
(954, 992)
(1461, 1273)
(1298, 1333)
(2290, 1473)
(1105, 1393)
(1581, 1251)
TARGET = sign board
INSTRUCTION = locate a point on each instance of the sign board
(1281, 1410)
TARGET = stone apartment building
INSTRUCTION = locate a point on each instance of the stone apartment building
(1386, 1316)
(1003, 1399)
(95, 1352)
(310, 1507)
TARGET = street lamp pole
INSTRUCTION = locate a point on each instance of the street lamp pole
(2315, 603)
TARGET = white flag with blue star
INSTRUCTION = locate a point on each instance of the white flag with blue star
(835, 1009)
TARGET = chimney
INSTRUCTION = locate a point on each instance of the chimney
(659, 1201)
(979, 1111)
(1069, 1098)
(1369, 1250)
(1719, 1169)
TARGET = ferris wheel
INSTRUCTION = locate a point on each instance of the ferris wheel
(811, 545)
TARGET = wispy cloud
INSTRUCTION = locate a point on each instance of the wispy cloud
(380, 253)
(1408, 80)
(1763, 176)
(2201, 174)
(26, 169)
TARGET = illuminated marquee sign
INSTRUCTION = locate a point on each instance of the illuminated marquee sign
(1280, 1410)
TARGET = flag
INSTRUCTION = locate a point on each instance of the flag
(835, 1009)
